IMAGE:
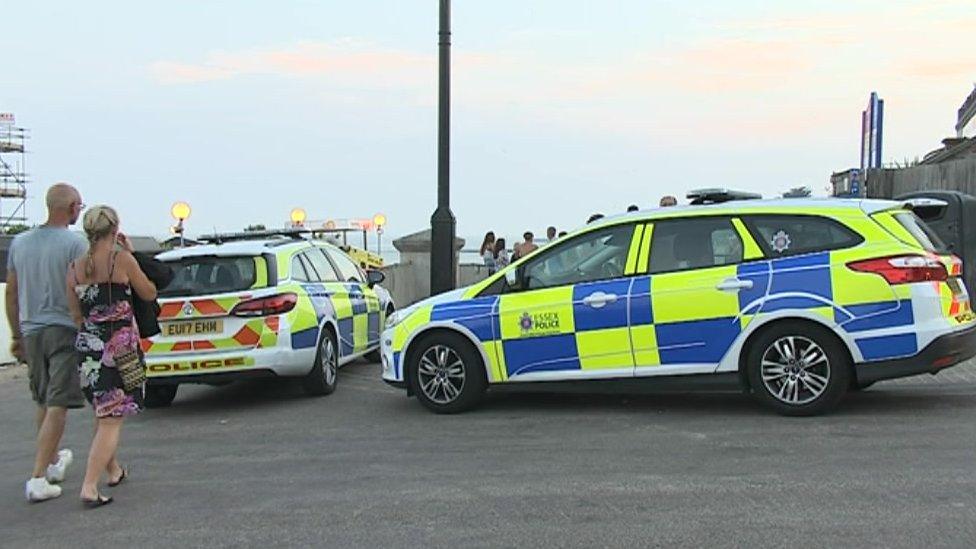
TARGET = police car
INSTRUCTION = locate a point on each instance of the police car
(263, 304)
(795, 301)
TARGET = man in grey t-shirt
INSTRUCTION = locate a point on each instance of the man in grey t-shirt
(44, 332)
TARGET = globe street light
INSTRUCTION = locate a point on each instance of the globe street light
(180, 212)
(379, 220)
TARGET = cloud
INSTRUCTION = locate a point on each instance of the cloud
(345, 61)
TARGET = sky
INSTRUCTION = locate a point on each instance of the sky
(561, 108)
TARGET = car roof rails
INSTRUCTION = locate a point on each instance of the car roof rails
(717, 196)
(221, 238)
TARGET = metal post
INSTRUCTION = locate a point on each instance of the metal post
(443, 269)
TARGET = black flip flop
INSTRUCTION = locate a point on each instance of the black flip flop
(122, 477)
(99, 501)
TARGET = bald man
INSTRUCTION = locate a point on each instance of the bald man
(44, 332)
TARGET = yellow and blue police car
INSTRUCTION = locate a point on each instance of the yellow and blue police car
(263, 304)
(796, 301)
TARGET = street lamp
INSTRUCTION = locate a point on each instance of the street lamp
(379, 220)
(298, 217)
(180, 212)
(443, 269)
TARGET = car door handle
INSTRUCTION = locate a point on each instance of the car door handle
(599, 299)
(734, 285)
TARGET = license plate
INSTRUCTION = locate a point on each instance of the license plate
(192, 328)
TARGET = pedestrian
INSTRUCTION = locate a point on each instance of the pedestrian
(43, 332)
(111, 364)
(668, 201)
(550, 234)
(525, 247)
(632, 208)
(487, 252)
(594, 217)
(501, 254)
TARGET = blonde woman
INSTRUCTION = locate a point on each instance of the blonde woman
(100, 287)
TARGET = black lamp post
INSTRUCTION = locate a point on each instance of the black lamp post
(443, 269)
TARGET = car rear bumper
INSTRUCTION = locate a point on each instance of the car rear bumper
(228, 366)
(943, 352)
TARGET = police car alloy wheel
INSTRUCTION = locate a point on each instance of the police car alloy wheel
(446, 373)
(322, 379)
(797, 368)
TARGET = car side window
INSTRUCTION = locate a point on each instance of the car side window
(695, 243)
(322, 266)
(786, 235)
(348, 270)
(597, 255)
(298, 272)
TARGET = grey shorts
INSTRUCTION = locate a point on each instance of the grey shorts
(52, 366)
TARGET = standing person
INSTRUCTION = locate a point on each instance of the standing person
(551, 234)
(44, 333)
(487, 252)
(501, 254)
(525, 247)
(111, 363)
(668, 201)
(633, 208)
(594, 217)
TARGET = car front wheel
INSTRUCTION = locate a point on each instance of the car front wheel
(798, 369)
(446, 373)
(159, 396)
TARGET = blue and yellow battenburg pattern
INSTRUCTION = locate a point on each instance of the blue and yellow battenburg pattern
(357, 311)
(683, 318)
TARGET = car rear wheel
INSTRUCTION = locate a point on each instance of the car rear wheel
(159, 396)
(798, 369)
(325, 373)
(446, 373)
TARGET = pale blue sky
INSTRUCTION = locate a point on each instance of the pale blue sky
(561, 108)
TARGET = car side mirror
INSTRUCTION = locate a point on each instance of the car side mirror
(374, 277)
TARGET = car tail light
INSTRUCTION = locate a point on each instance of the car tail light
(904, 269)
(266, 306)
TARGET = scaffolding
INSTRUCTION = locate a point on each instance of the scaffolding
(13, 176)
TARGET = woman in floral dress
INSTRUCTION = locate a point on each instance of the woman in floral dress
(100, 287)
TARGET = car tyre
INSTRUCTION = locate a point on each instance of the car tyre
(798, 369)
(446, 373)
(324, 376)
(159, 396)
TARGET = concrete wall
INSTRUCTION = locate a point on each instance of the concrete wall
(957, 175)
(410, 282)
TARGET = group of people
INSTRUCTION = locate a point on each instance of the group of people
(73, 304)
(495, 255)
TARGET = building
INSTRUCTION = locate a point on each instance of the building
(846, 183)
(966, 119)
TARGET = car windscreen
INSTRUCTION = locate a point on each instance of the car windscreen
(214, 275)
(924, 234)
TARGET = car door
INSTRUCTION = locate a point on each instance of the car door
(567, 316)
(687, 311)
(364, 302)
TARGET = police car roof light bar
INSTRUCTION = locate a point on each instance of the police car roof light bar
(220, 238)
(717, 196)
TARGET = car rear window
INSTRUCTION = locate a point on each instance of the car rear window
(786, 235)
(924, 234)
(214, 275)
